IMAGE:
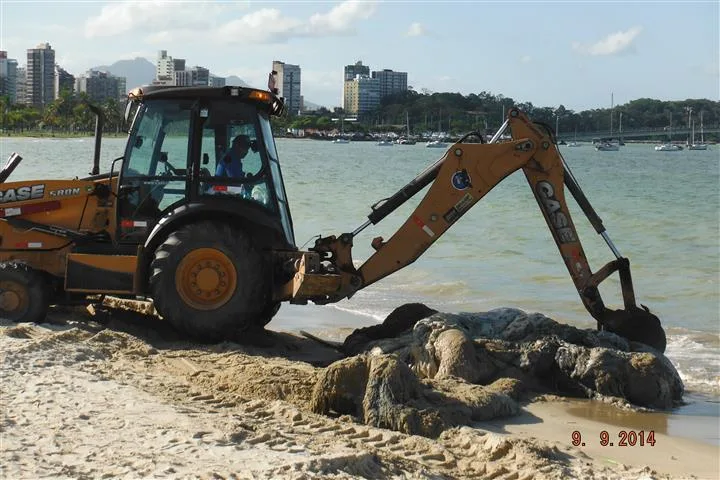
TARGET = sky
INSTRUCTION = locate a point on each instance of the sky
(577, 54)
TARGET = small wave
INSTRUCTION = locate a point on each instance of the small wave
(696, 359)
(445, 289)
(377, 315)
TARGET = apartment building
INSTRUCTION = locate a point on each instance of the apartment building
(390, 82)
(21, 86)
(165, 69)
(363, 90)
(352, 71)
(8, 77)
(288, 85)
(193, 77)
(40, 76)
(101, 86)
(361, 95)
(64, 81)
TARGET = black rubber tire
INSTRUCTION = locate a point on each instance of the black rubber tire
(249, 302)
(267, 315)
(35, 287)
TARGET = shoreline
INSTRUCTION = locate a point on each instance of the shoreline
(90, 135)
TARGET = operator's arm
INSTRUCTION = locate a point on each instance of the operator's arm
(220, 171)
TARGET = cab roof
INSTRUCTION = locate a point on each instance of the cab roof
(264, 99)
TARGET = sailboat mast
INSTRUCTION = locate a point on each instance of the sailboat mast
(612, 109)
(693, 132)
(702, 134)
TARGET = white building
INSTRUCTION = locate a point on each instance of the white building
(164, 69)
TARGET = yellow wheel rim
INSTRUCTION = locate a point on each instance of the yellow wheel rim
(14, 298)
(206, 279)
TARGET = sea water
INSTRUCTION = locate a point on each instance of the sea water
(661, 210)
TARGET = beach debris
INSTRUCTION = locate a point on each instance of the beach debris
(423, 371)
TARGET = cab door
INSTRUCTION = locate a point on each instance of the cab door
(154, 175)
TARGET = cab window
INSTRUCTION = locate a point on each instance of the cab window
(232, 155)
(155, 168)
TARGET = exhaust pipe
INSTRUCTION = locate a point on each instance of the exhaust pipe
(99, 122)
(10, 165)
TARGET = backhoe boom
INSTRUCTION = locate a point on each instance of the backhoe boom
(466, 173)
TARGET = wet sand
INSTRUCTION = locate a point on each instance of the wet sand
(678, 450)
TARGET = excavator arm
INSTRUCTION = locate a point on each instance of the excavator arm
(463, 176)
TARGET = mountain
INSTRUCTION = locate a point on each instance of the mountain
(139, 71)
(311, 106)
(236, 81)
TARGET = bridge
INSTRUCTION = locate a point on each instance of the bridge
(677, 134)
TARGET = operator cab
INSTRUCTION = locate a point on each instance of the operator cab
(204, 146)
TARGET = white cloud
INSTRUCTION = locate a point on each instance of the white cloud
(525, 59)
(129, 15)
(165, 21)
(416, 30)
(612, 44)
(267, 25)
(341, 18)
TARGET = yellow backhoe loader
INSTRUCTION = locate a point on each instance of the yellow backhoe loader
(212, 242)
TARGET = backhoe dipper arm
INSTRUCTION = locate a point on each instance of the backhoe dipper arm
(466, 173)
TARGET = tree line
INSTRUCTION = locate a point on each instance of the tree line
(455, 113)
(425, 111)
(67, 114)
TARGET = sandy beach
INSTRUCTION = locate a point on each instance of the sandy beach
(122, 396)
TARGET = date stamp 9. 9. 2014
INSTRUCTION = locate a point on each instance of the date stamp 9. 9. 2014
(624, 438)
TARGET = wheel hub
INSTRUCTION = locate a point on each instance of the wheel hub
(13, 297)
(206, 279)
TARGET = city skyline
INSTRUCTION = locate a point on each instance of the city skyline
(547, 54)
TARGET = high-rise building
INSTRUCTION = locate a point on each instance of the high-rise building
(362, 95)
(390, 82)
(288, 85)
(63, 81)
(165, 69)
(351, 71)
(178, 64)
(40, 83)
(216, 81)
(196, 76)
(8, 77)
(101, 86)
(21, 86)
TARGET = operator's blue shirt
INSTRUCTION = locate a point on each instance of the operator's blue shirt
(232, 169)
